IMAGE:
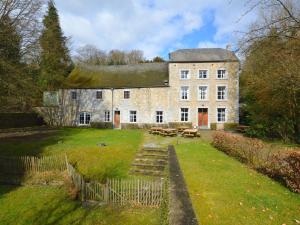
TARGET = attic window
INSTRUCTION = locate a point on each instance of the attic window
(73, 95)
(126, 94)
(99, 95)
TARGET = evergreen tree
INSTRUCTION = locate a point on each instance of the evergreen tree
(55, 60)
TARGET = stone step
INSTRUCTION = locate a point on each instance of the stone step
(155, 150)
(152, 161)
(148, 166)
(147, 172)
(152, 155)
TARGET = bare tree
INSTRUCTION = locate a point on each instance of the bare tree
(25, 15)
(117, 57)
(134, 57)
(90, 54)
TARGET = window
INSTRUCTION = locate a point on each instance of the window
(184, 114)
(126, 94)
(221, 93)
(132, 116)
(159, 116)
(221, 74)
(221, 114)
(73, 95)
(203, 93)
(107, 116)
(184, 93)
(99, 95)
(203, 74)
(84, 118)
(184, 74)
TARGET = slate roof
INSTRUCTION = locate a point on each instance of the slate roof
(119, 76)
(202, 55)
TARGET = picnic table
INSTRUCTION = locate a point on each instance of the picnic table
(182, 128)
(190, 133)
(155, 130)
(168, 132)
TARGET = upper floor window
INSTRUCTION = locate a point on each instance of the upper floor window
(221, 93)
(221, 74)
(203, 74)
(221, 114)
(84, 118)
(73, 95)
(184, 74)
(203, 92)
(184, 93)
(159, 116)
(184, 114)
(132, 116)
(107, 116)
(99, 95)
(126, 94)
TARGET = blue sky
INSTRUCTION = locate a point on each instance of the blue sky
(154, 26)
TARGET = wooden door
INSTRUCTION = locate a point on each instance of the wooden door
(202, 117)
(117, 119)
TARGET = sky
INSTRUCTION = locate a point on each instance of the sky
(156, 27)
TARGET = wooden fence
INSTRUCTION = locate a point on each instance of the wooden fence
(120, 191)
(30, 164)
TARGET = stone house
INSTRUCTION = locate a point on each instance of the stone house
(196, 86)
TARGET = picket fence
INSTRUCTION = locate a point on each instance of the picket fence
(120, 191)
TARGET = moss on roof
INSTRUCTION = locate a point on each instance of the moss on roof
(119, 76)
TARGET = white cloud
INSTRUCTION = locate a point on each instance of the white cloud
(153, 26)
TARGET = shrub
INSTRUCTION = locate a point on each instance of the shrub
(230, 126)
(213, 126)
(256, 131)
(101, 125)
(283, 165)
(179, 124)
(19, 120)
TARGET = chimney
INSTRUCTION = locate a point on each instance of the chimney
(228, 47)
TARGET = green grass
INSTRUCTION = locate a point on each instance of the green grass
(80, 145)
(224, 191)
(50, 205)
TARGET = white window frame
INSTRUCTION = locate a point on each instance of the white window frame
(85, 114)
(159, 118)
(226, 92)
(225, 116)
(188, 75)
(101, 94)
(128, 94)
(188, 114)
(187, 93)
(207, 74)
(207, 92)
(225, 76)
(132, 118)
(76, 95)
(107, 116)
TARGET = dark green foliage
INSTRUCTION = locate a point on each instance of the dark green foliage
(101, 125)
(213, 126)
(55, 60)
(230, 126)
(18, 120)
(180, 124)
(158, 59)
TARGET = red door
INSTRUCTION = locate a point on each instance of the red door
(117, 119)
(202, 117)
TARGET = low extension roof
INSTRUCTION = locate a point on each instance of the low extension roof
(119, 76)
(202, 55)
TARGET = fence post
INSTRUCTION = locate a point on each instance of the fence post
(106, 192)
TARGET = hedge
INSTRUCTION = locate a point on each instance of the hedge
(19, 120)
(280, 163)
(102, 125)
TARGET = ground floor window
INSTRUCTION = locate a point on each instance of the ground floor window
(184, 114)
(84, 118)
(132, 116)
(221, 114)
(107, 116)
(159, 116)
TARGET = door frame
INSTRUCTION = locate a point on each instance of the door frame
(208, 117)
(114, 118)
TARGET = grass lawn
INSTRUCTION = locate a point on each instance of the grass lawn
(80, 145)
(224, 191)
(50, 205)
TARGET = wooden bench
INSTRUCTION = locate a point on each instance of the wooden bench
(155, 130)
(190, 133)
(168, 132)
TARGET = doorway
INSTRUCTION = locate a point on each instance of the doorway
(203, 117)
(117, 119)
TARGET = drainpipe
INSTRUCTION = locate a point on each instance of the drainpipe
(112, 108)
